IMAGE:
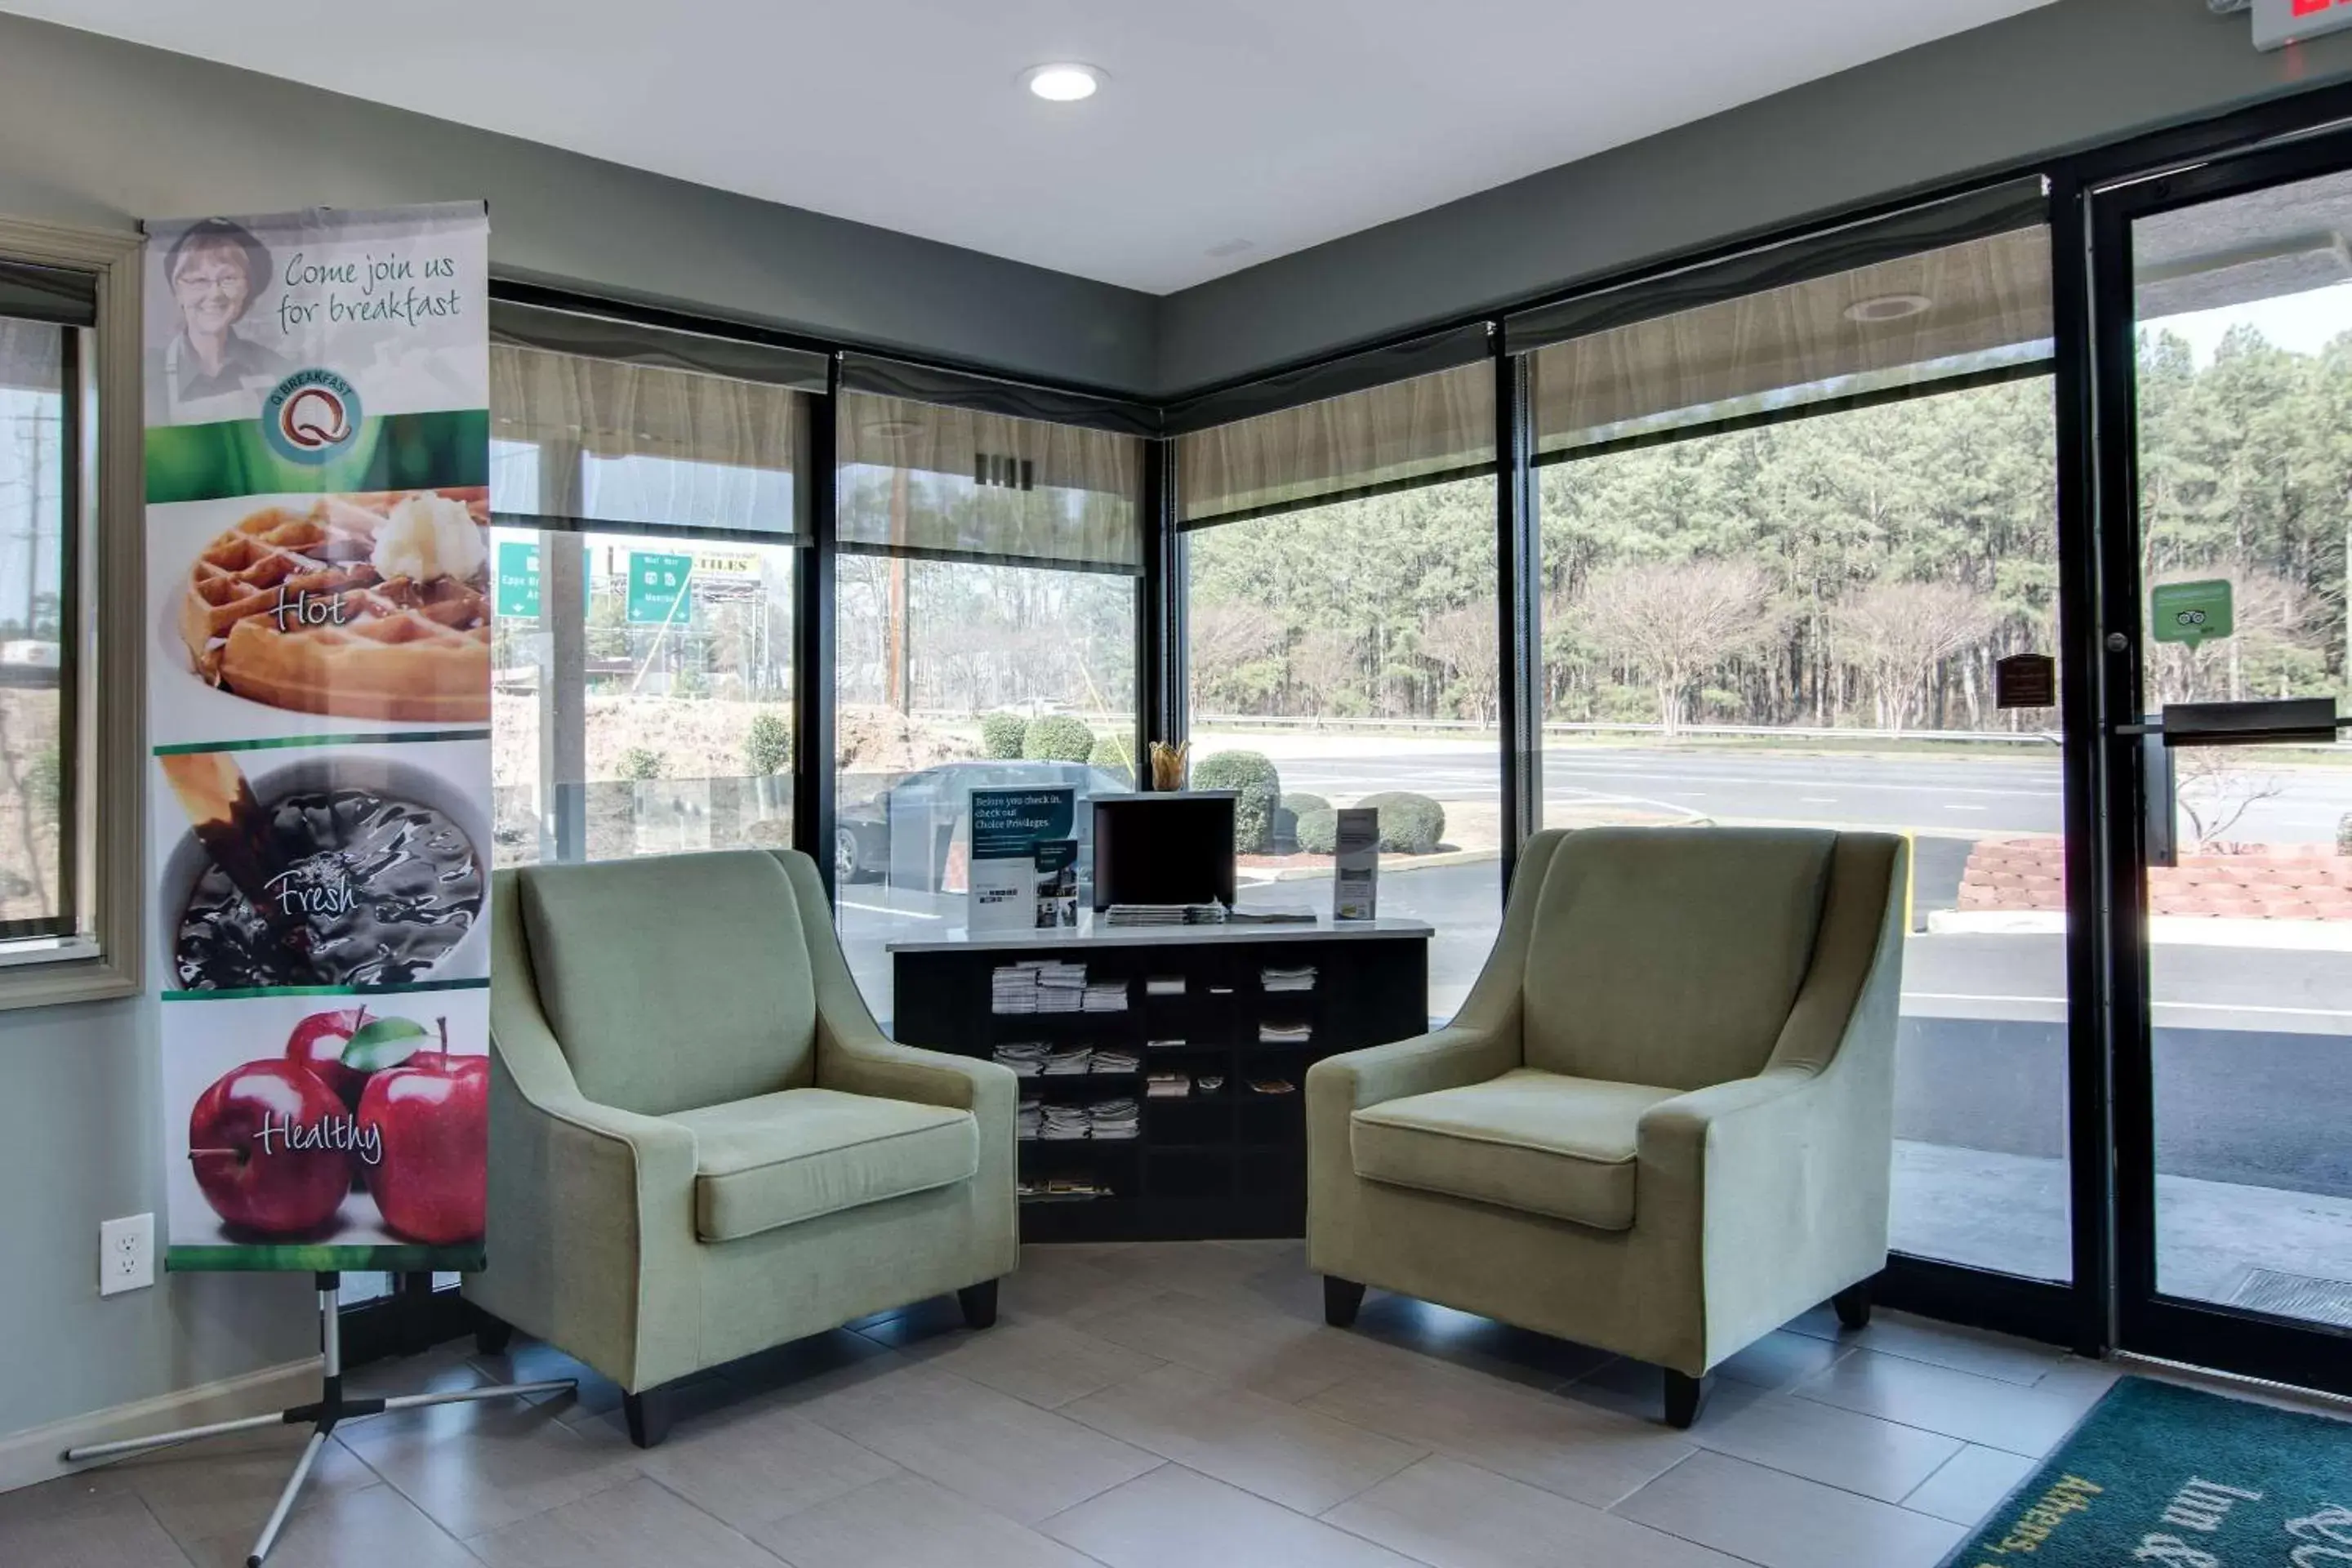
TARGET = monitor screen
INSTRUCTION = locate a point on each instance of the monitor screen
(1168, 849)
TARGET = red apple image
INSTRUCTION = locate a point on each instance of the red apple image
(269, 1145)
(318, 1043)
(430, 1117)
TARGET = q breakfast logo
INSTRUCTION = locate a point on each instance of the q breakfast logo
(312, 417)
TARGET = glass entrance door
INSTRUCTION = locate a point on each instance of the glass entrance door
(2225, 311)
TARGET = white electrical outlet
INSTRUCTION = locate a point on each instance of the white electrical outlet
(126, 1254)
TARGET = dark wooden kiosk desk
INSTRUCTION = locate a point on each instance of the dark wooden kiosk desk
(1229, 1157)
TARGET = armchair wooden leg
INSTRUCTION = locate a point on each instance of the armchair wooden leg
(1342, 1300)
(648, 1415)
(491, 1337)
(1852, 1305)
(1684, 1398)
(979, 1304)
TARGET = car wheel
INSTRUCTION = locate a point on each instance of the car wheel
(845, 855)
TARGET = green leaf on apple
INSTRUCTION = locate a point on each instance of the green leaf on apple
(384, 1043)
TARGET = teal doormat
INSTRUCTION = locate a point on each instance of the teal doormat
(2167, 1477)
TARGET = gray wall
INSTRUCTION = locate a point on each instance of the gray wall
(80, 1141)
(2066, 76)
(100, 132)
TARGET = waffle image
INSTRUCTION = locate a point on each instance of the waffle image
(337, 608)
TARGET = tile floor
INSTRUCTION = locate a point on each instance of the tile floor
(1143, 1406)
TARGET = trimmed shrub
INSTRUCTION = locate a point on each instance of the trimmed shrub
(1286, 816)
(1410, 824)
(1000, 736)
(1057, 737)
(2343, 827)
(639, 763)
(768, 746)
(1111, 755)
(1252, 774)
(1318, 832)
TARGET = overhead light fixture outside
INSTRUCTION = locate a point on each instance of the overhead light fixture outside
(891, 429)
(1064, 82)
(1888, 308)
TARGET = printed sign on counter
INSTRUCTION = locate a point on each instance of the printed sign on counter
(320, 587)
(1008, 827)
(1356, 864)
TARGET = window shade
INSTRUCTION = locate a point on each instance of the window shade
(1977, 308)
(32, 356)
(969, 484)
(652, 439)
(49, 294)
(1434, 426)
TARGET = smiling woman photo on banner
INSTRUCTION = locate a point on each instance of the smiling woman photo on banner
(216, 271)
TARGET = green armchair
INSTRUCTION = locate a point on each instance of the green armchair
(1661, 1124)
(701, 1144)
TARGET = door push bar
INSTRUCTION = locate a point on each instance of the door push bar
(2287, 721)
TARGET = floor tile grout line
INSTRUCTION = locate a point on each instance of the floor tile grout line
(743, 1535)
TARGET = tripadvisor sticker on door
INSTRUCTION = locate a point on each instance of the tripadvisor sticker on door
(2191, 612)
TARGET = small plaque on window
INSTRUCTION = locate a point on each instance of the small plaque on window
(2026, 680)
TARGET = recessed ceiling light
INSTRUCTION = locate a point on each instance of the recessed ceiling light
(892, 429)
(1888, 308)
(1064, 82)
(1231, 248)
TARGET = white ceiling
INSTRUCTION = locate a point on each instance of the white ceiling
(1276, 123)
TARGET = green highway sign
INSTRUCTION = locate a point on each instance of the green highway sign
(519, 578)
(656, 585)
(2191, 612)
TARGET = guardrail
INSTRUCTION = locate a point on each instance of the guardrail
(1757, 732)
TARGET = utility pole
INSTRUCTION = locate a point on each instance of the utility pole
(897, 661)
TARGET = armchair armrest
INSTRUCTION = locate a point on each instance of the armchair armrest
(1776, 1185)
(1450, 1058)
(889, 1070)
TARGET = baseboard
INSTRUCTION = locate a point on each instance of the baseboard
(27, 1457)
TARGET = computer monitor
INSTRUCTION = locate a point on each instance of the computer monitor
(1172, 847)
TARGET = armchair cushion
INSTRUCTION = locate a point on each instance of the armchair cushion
(777, 1159)
(1670, 955)
(675, 981)
(1536, 1142)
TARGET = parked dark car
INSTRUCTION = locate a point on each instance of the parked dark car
(912, 832)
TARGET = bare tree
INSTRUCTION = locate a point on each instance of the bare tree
(1674, 621)
(1897, 633)
(1323, 664)
(2215, 789)
(1222, 639)
(1466, 640)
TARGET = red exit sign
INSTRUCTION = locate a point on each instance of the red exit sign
(2278, 23)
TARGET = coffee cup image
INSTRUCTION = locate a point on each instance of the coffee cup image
(331, 869)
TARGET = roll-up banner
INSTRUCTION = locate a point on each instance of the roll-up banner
(318, 705)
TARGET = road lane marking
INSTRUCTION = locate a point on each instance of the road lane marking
(1949, 806)
(1817, 800)
(887, 910)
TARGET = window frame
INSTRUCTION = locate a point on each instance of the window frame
(106, 663)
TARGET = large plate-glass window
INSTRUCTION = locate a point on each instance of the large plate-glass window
(44, 322)
(1787, 532)
(985, 604)
(1341, 633)
(2244, 378)
(648, 498)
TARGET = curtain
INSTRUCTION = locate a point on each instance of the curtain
(969, 484)
(1982, 306)
(580, 439)
(1433, 427)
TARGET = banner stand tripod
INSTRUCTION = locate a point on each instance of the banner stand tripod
(322, 1417)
